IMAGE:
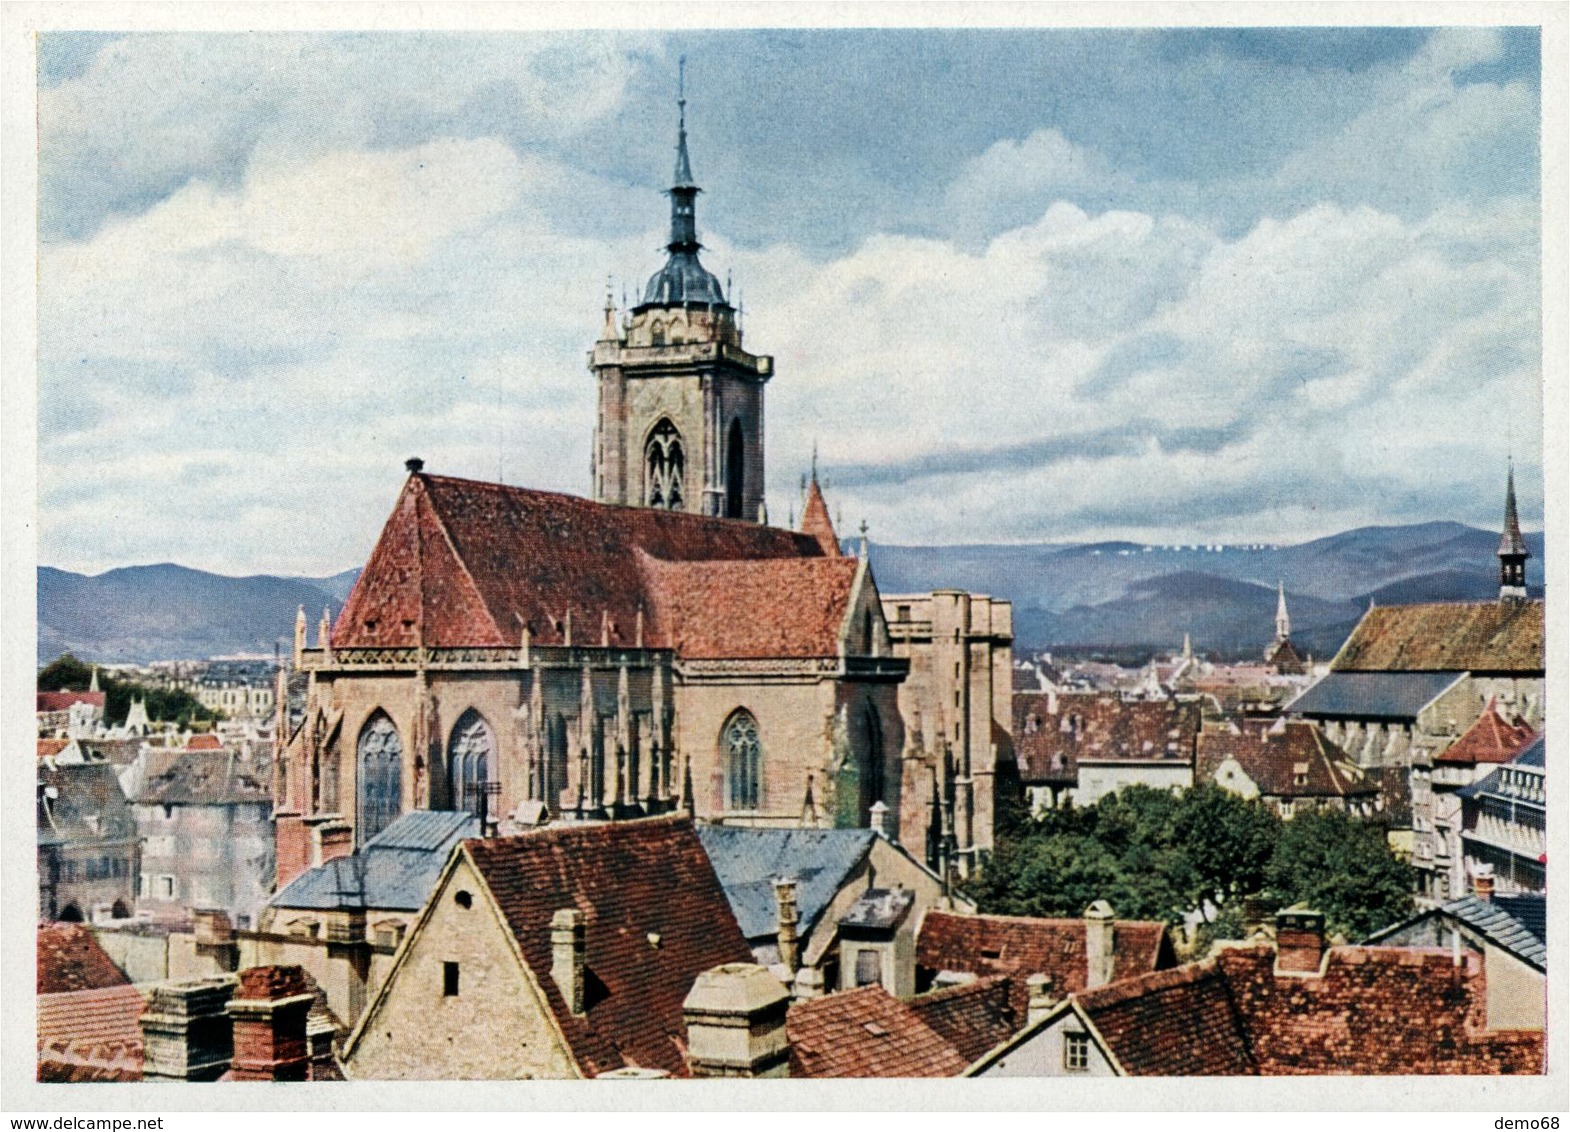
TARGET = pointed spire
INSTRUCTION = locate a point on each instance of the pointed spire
(1512, 547)
(815, 521)
(1283, 621)
(93, 686)
(683, 178)
(864, 540)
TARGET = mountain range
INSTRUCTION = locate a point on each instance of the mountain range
(1115, 598)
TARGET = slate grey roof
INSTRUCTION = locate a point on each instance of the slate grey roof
(212, 778)
(82, 803)
(1372, 695)
(1530, 908)
(1493, 920)
(748, 860)
(879, 908)
(1510, 781)
(394, 871)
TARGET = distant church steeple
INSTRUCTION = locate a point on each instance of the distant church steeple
(1512, 548)
(1283, 622)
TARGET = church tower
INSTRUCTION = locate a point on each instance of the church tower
(680, 421)
(1512, 549)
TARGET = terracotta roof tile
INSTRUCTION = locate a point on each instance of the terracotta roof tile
(972, 1017)
(787, 607)
(1492, 739)
(109, 1014)
(204, 743)
(816, 523)
(1054, 731)
(49, 748)
(461, 562)
(1021, 946)
(1375, 1010)
(1471, 636)
(62, 1062)
(629, 879)
(867, 1032)
(70, 959)
(59, 701)
(1290, 759)
(1172, 1022)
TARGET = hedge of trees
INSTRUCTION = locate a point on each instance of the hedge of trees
(1196, 855)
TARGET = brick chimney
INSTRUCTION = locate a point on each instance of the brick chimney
(331, 837)
(1483, 883)
(269, 1013)
(735, 1016)
(186, 1031)
(1300, 940)
(1100, 944)
(789, 943)
(291, 847)
(567, 950)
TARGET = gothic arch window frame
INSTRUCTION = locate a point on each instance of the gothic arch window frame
(471, 760)
(741, 755)
(379, 787)
(874, 782)
(735, 469)
(664, 466)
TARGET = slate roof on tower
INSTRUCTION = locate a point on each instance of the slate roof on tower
(461, 563)
(633, 881)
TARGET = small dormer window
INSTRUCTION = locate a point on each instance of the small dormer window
(1076, 1051)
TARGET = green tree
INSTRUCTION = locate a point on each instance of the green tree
(1228, 841)
(64, 673)
(1342, 866)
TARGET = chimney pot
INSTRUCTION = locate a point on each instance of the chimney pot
(1041, 999)
(415, 465)
(1483, 883)
(735, 1018)
(567, 956)
(1100, 944)
(785, 902)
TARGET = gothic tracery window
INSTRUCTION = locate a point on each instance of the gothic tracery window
(380, 759)
(743, 755)
(469, 756)
(665, 463)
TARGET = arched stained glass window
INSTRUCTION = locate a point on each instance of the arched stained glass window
(743, 754)
(470, 753)
(665, 465)
(380, 763)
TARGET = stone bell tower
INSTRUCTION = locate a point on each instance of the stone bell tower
(680, 420)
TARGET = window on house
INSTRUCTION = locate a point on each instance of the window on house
(463, 898)
(449, 979)
(1076, 1051)
(166, 887)
(869, 967)
(902, 613)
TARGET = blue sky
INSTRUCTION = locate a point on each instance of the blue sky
(1230, 284)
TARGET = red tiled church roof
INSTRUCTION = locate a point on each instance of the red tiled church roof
(71, 959)
(775, 607)
(1492, 739)
(465, 563)
(866, 1032)
(1462, 636)
(629, 879)
(1021, 946)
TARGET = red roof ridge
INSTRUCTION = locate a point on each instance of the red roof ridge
(959, 990)
(1136, 986)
